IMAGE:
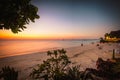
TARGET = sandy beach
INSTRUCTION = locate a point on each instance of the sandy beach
(85, 56)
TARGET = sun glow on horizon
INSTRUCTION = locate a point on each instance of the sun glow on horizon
(65, 21)
(7, 34)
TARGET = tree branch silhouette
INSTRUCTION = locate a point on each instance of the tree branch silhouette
(15, 14)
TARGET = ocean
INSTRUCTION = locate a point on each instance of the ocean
(20, 47)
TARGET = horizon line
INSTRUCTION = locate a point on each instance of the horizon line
(54, 39)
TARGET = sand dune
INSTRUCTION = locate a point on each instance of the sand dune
(85, 56)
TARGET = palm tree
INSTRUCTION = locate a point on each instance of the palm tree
(106, 35)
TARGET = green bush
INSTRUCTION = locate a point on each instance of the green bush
(106, 70)
(53, 68)
(0, 74)
(56, 68)
(8, 73)
(116, 70)
(73, 73)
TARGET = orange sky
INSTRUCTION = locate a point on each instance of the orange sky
(7, 34)
(65, 21)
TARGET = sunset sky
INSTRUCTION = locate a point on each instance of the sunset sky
(67, 20)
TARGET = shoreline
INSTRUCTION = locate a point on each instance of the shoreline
(85, 56)
(40, 52)
(28, 47)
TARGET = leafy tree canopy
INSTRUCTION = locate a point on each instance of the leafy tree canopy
(15, 14)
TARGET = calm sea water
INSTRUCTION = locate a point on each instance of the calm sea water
(20, 47)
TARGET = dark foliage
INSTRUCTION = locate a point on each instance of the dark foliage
(15, 14)
(73, 73)
(1, 74)
(102, 40)
(53, 68)
(56, 68)
(106, 70)
(8, 73)
(115, 34)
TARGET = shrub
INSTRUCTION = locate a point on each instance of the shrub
(8, 73)
(73, 73)
(106, 70)
(56, 68)
(53, 68)
(0, 74)
(116, 70)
